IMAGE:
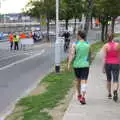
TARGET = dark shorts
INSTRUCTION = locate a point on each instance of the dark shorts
(112, 71)
(81, 73)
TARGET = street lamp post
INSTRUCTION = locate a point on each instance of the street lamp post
(57, 43)
(4, 16)
(57, 19)
(88, 16)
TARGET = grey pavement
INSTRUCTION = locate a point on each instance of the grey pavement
(98, 106)
(117, 28)
(29, 68)
(94, 36)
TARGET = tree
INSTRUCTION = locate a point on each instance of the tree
(70, 9)
(106, 10)
(88, 4)
(77, 8)
(66, 12)
(41, 7)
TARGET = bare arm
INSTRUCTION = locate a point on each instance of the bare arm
(71, 55)
(90, 55)
(104, 52)
(104, 55)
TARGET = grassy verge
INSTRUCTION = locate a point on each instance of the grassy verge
(117, 34)
(36, 107)
(96, 47)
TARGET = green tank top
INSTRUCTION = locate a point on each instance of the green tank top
(82, 49)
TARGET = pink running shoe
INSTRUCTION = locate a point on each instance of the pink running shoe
(82, 101)
(79, 97)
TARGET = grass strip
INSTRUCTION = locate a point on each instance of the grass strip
(117, 34)
(58, 86)
(96, 47)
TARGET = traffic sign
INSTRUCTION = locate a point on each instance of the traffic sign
(43, 20)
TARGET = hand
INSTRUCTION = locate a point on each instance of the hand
(103, 69)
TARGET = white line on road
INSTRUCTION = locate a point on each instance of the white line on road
(4, 58)
(23, 60)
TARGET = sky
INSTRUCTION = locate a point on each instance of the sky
(12, 6)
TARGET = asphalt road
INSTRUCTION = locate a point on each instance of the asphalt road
(20, 71)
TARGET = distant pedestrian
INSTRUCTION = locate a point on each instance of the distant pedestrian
(80, 58)
(22, 36)
(66, 36)
(97, 23)
(11, 37)
(16, 42)
(111, 65)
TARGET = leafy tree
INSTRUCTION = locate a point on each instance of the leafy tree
(88, 4)
(40, 7)
(70, 9)
(77, 10)
(106, 10)
(66, 12)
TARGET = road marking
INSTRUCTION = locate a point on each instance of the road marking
(4, 58)
(23, 60)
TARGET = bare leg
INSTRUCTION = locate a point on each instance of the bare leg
(116, 86)
(115, 91)
(115, 83)
(78, 87)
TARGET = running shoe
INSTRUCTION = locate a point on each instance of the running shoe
(115, 97)
(109, 96)
(82, 101)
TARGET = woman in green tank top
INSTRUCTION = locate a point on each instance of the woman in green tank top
(80, 58)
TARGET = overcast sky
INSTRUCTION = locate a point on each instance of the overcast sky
(12, 6)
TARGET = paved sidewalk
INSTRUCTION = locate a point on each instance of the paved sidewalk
(98, 106)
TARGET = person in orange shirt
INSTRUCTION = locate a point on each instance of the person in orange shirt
(97, 22)
(11, 37)
(22, 36)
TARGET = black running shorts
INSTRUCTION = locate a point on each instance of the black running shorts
(81, 73)
(112, 71)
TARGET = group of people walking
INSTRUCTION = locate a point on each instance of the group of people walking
(80, 58)
(14, 40)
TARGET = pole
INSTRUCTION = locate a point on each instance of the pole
(0, 12)
(57, 43)
(57, 20)
(88, 16)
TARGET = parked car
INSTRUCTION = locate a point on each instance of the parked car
(37, 36)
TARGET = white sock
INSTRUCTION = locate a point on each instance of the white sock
(83, 88)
